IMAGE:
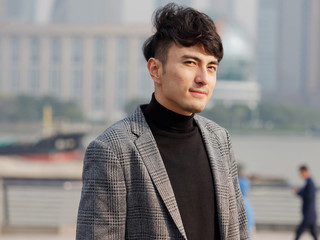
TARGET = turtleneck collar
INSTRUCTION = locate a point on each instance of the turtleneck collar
(166, 119)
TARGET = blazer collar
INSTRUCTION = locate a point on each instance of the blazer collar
(151, 157)
(220, 173)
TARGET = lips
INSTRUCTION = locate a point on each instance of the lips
(199, 92)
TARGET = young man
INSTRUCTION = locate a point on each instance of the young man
(308, 195)
(163, 172)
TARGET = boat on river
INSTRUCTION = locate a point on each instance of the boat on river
(61, 146)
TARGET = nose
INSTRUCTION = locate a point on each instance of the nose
(202, 76)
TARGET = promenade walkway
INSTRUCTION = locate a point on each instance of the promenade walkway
(51, 201)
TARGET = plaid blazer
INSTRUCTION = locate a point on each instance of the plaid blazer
(127, 194)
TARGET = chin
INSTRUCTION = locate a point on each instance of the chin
(194, 108)
(197, 110)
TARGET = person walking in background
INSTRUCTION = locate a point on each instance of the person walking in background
(245, 186)
(164, 172)
(308, 195)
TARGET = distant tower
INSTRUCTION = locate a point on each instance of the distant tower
(267, 50)
(314, 50)
(288, 50)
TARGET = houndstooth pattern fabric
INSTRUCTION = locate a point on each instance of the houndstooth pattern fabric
(127, 194)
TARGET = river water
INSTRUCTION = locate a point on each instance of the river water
(275, 155)
(278, 156)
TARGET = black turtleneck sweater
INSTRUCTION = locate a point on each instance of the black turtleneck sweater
(184, 155)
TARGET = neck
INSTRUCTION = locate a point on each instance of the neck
(166, 119)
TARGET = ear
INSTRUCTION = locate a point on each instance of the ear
(155, 69)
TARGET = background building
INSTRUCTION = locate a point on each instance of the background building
(236, 76)
(100, 68)
(90, 52)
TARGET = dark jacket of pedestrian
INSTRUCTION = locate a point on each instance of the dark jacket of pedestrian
(308, 195)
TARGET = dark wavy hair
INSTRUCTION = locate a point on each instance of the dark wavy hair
(183, 26)
(303, 168)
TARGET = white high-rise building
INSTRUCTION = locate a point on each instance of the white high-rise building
(101, 68)
(288, 55)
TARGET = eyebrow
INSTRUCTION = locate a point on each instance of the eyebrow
(198, 59)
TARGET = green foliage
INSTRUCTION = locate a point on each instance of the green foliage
(289, 116)
(25, 108)
(233, 116)
(267, 116)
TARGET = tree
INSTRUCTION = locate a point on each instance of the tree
(276, 116)
(25, 108)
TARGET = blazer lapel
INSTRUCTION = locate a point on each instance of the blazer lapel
(220, 177)
(151, 157)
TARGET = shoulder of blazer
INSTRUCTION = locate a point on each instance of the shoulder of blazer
(211, 126)
(131, 126)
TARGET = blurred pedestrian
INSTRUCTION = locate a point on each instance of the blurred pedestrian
(308, 195)
(245, 186)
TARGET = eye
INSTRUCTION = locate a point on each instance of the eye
(189, 62)
(212, 67)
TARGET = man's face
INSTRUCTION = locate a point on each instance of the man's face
(186, 82)
(304, 174)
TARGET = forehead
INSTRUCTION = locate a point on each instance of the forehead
(178, 51)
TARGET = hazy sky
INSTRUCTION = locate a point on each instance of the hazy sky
(133, 12)
(244, 11)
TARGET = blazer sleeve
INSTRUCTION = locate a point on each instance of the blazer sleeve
(242, 216)
(102, 208)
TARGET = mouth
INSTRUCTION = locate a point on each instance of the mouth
(199, 93)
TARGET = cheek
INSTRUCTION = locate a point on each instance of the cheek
(177, 81)
(211, 87)
(212, 83)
